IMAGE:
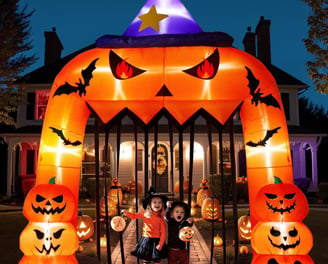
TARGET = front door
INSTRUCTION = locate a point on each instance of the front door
(161, 174)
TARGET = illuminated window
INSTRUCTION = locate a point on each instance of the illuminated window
(41, 101)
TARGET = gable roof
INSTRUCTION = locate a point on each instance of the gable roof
(48, 73)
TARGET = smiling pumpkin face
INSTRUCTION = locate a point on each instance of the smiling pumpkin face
(244, 228)
(280, 202)
(282, 238)
(211, 209)
(186, 233)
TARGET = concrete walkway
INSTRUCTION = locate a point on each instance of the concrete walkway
(199, 252)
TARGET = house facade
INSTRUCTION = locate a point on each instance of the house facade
(20, 145)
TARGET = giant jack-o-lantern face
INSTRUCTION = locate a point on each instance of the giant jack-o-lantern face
(280, 202)
(285, 259)
(48, 239)
(282, 238)
(198, 70)
(49, 203)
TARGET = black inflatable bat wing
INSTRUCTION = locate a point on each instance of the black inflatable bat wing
(253, 83)
(270, 100)
(80, 86)
(66, 89)
(87, 73)
(65, 140)
(257, 95)
(264, 141)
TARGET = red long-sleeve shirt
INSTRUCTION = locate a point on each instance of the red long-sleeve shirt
(154, 227)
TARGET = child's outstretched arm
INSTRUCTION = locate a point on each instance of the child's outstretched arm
(132, 215)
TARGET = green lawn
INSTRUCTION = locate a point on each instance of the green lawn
(11, 225)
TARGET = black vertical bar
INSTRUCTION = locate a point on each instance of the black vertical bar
(180, 164)
(234, 190)
(222, 199)
(146, 160)
(191, 167)
(109, 259)
(154, 178)
(96, 139)
(118, 142)
(171, 155)
(209, 135)
(191, 160)
(136, 176)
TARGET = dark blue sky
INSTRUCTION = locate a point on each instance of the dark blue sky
(80, 22)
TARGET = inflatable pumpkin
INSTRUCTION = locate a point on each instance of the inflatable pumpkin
(278, 259)
(50, 203)
(49, 260)
(48, 239)
(280, 202)
(282, 238)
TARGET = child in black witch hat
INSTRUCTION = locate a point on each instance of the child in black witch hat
(151, 246)
(177, 216)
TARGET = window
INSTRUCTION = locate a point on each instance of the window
(42, 97)
(30, 108)
(30, 161)
(285, 103)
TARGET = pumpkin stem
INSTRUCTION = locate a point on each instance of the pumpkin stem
(52, 180)
(277, 180)
(80, 213)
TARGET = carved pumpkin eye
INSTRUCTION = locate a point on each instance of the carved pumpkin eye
(271, 196)
(290, 196)
(58, 233)
(59, 199)
(274, 232)
(39, 234)
(293, 233)
(121, 69)
(39, 198)
(207, 69)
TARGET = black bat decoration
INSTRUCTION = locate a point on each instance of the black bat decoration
(65, 140)
(80, 86)
(264, 141)
(256, 92)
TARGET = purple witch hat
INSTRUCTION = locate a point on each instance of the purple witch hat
(164, 23)
(158, 17)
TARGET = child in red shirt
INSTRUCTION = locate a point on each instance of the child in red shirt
(151, 246)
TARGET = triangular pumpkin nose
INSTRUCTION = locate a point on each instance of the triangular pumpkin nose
(164, 91)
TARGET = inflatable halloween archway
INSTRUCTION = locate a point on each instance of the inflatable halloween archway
(163, 61)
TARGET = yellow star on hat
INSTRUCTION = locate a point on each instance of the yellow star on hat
(151, 19)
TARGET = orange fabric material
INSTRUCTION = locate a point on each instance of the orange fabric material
(154, 227)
